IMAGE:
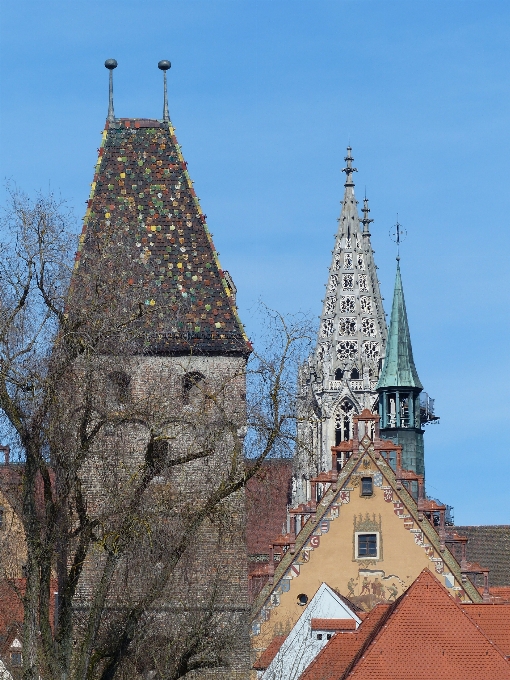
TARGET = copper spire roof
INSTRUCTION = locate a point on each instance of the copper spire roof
(146, 252)
(399, 369)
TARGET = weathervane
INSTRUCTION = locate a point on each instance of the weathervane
(398, 234)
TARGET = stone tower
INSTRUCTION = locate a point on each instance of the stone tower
(399, 388)
(167, 361)
(339, 380)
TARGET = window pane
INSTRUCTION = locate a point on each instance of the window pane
(366, 486)
(367, 545)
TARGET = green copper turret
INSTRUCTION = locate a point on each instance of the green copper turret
(399, 387)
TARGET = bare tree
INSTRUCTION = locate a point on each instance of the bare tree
(132, 484)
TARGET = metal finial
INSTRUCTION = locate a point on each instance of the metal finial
(398, 234)
(366, 220)
(110, 65)
(164, 65)
(349, 169)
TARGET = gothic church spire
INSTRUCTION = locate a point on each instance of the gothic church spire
(343, 372)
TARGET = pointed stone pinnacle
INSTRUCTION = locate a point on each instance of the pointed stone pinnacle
(349, 169)
(366, 220)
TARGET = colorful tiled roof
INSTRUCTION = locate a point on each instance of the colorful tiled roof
(269, 654)
(428, 635)
(490, 546)
(146, 252)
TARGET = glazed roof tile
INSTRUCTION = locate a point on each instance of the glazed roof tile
(427, 634)
(145, 249)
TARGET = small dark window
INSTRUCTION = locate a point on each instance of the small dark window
(329, 636)
(339, 374)
(15, 658)
(193, 388)
(354, 374)
(367, 545)
(118, 387)
(302, 599)
(319, 636)
(367, 486)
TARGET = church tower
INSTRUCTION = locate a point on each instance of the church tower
(399, 388)
(340, 378)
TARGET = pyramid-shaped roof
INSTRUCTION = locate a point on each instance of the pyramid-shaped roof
(146, 254)
(399, 369)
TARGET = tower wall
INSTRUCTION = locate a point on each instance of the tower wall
(209, 586)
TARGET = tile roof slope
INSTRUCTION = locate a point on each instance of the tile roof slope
(490, 547)
(427, 635)
(333, 624)
(269, 654)
(334, 658)
(267, 498)
(494, 620)
(145, 248)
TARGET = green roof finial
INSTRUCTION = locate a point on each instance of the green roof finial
(399, 369)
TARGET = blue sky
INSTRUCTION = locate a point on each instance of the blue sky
(265, 96)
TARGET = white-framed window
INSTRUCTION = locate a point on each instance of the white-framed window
(367, 545)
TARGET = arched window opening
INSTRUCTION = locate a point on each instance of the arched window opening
(339, 374)
(118, 384)
(354, 374)
(193, 388)
(343, 422)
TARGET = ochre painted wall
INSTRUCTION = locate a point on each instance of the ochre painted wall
(333, 561)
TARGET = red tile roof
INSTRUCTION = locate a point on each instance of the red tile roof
(494, 620)
(428, 635)
(333, 624)
(332, 661)
(269, 654)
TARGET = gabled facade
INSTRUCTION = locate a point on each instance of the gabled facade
(339, 380)
(321, 617)
(367, 531)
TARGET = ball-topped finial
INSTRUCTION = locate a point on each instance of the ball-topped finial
(111, 64)
(164, 64)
